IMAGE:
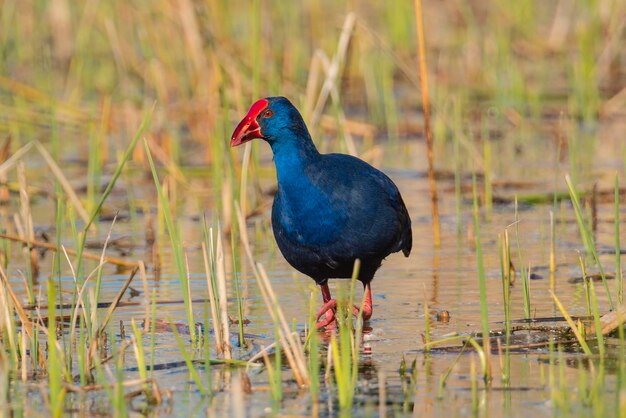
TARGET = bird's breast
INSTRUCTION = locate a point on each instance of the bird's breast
(306, 217)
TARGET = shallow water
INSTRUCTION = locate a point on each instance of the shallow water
(446, 278)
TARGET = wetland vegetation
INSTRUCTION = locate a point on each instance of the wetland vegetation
(138, 271)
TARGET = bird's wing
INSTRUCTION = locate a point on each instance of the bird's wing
(366, 190)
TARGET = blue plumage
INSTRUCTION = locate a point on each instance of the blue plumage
(330, 209)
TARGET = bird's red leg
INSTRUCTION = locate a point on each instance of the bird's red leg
(325, 292)
(368, 309)
(330, 305)
(327, 309)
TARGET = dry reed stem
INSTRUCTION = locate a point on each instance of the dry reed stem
(89, 256)
(334, 67)
(13, 159)
(193, 38)
(6, 324)
(609, 322)
(560, 25)
(260, 354)
(35, 95)
(329, 366)
(245, 166)
(23, 355)
(116, 300)
(419, 21)
(188, 278)
(147, 300)
(341, 117)
(212, 301)
(291, 346)
(27, 219)
(287, 348)
(80, 304)
(552, 250)
(612, 46)
(61, 24)
(221, 293)
(294, 343)
(21, 313)
(311, 84)
(65, 184)
(571, 323)
(5, 151)
(31, 296)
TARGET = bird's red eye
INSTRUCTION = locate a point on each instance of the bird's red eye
(268, 114)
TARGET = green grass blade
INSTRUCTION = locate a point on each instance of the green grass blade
(587, 237)
(175, 241)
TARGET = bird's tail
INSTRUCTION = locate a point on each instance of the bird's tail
(407, 233)
(407, 241)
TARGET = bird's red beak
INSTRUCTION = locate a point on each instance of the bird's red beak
(248, 128)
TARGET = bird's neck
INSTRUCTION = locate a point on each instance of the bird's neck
(302, 207)
(292, 158)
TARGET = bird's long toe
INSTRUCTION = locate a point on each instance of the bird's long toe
(329, 306)
(328, 322)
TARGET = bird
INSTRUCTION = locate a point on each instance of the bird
(329, 209)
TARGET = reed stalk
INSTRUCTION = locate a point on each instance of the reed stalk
(571, 324)
(292, 346)
(426, 323)
(619, 277)
(176, 243)
(220, 278)
(506, 298)
(210, 271)
(488, 178)
(586, 281)
(421, 50)
(482, 285)
(552, 250)
(526, 293)
(207, 351)
(587, 238)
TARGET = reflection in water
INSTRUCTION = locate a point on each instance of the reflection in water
(435, 284)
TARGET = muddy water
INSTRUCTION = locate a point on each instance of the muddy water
(446, 278)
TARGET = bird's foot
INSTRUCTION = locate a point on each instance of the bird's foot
(328, 310)
(329, 322)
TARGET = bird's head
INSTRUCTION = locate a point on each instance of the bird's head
(273, 119)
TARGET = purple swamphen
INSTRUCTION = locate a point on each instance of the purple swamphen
(330, 209)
